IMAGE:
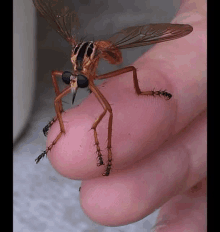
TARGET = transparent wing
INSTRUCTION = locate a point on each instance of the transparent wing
(137, 36)
(60, 18)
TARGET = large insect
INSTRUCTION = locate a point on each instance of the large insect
(85, 57)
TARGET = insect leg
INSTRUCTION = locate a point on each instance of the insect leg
(57, 91)
(106, 106)
(59, 117)
(57, 101)
(135, 80)
(47, 127)
(98, 150)
(48, 148)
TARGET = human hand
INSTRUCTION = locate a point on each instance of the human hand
(147, 172)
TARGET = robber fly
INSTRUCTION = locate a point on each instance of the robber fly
(85, 57)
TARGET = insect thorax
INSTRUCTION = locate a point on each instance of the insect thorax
(83, 57)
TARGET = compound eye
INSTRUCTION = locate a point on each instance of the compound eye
(66, 77)
(82, 81)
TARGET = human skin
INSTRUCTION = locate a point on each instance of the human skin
(158, 146)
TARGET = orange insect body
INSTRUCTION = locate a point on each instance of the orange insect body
(109, 52)
(101, 49)
(85, 57)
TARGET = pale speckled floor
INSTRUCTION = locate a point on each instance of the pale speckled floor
(43, 200)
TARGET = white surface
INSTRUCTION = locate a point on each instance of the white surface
(23, 63)
(43, 200)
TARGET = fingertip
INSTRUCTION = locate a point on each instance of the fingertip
(109, 201)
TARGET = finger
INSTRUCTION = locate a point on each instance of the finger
(136, 192)
(185, 212)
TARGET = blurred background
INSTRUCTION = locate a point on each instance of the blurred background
(42, 199)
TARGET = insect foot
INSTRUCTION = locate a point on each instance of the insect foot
(98, 150)
(47, 127)
(99, 157)
(100, 160)
(109, 165)
(41, 156)
(108, 168)
(45, 152)
(163, 93)
(49, 148)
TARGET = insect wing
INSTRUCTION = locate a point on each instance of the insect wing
(60, 18)
(137, 36)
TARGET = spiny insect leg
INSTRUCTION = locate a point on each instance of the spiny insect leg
(41, 156)
(106, 106)
(47, 127)
(135, 82)
(109, 164)
(98, 150)
(109, 147)
(58, 110)
(159, 93)
(44, 153)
